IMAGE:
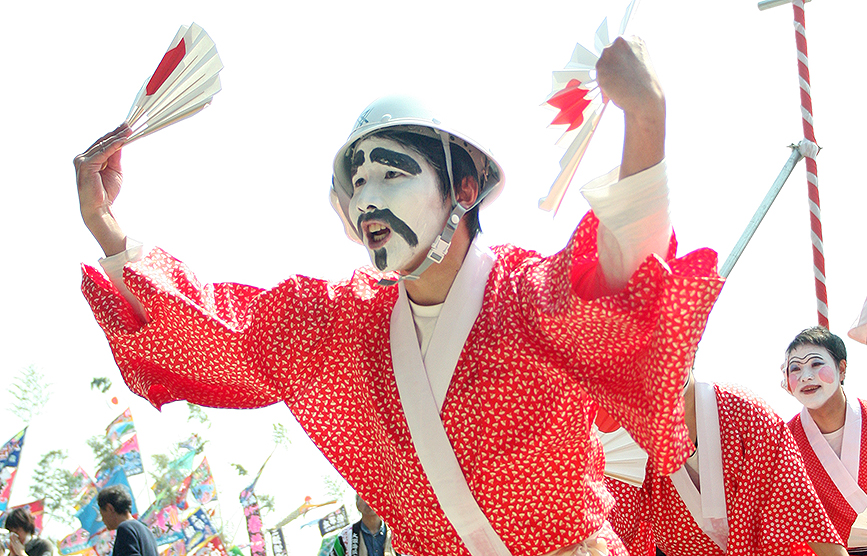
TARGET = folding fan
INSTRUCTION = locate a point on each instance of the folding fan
(185, 81)
(624, 458)
(579, 100)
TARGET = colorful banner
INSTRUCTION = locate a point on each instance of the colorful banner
(86, 551)
(82, 481)
(90, 492)
(89, 516)
(102, 542)
(334, 521)
(165, 525)
(177, 548)
(212, 547)
(254, 522)
(122, 425)
(74, 543)
(196, 528)
(131, 456)
(10, 453)
(278, 542)
(201, 483)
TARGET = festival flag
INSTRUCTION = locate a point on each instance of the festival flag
(196, 529)
(334, 521)
(254, 520)
(103, 542)
(166, 526)
(131, 456)
(10, 453)
(81, 481)
(89, 515)
(278, 542)
(211, 547)
(201, 483)
(177, 548)
(74, 542)
(90, 492)
(85, 551)
(122, 425)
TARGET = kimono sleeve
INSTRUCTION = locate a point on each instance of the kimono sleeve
(630, 350)
(217, 345)
(791, 512)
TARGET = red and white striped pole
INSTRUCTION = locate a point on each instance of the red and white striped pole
(809, 149)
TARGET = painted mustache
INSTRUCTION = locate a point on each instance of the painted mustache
(396, 224)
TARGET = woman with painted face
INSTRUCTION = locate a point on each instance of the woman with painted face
(829, 430)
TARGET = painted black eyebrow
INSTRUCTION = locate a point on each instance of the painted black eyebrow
(806, 359)
(395, 160)
(357, 160)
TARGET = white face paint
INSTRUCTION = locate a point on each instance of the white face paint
(812, 375)
(398, 201)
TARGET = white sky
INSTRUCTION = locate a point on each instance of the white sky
(240, 191)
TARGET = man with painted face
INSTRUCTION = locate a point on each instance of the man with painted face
(474, 380)
(743, 491)
(830, 430)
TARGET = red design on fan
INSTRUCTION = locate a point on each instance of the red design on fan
(571, 100)
(170, 61)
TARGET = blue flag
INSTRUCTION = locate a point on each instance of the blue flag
(89, 516)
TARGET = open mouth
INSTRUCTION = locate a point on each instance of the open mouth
(376, 234)
(807, 390)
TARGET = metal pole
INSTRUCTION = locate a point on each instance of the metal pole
(767, 4)
(753, 225)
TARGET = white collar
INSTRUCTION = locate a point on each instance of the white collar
(843, 470)
(707, 507)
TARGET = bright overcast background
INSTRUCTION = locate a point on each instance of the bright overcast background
(239, 192)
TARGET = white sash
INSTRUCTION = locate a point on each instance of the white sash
(422, 394)
(843, 470)
(707, 507)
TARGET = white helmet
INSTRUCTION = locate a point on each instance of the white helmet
(414, 117)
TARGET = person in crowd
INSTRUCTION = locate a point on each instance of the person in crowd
(369, 536)
(744, 490)
(133, 538)
(830, 430)
(23, 540)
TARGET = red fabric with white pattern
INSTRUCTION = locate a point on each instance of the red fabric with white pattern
(840, 512)
(627, 519)
(771, 505)
(519, 409)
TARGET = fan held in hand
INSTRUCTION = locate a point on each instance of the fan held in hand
(185, 81)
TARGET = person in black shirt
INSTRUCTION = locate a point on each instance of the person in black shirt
(133, 537)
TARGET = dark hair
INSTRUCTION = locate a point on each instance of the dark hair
(21, 518)
(821, 337)
(432, 150)
(116, 495)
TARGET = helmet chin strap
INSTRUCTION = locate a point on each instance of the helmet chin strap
(440, 246)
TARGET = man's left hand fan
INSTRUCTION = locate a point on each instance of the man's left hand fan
(185, 81)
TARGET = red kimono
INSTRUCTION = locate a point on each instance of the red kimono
(519, 407)
(839, 510)
(771, 506)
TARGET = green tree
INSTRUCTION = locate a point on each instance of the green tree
(100, 383)
(56, 486)
(30, 393)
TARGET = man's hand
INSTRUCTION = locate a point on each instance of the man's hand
(99, 178)
(626, 76)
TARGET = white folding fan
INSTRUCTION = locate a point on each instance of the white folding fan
(624, 458)
(185, 81)
(579, 100)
